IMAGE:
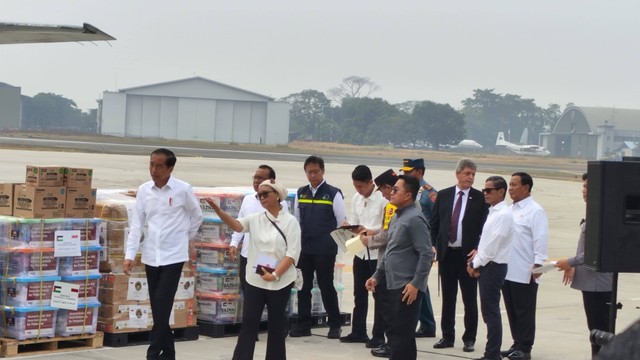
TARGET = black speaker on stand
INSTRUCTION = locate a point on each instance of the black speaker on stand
(613, 221)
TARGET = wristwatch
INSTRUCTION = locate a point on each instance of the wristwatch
(275, 274)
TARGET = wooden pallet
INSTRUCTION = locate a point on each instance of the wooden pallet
(221, 330)
(12, 347)
(142, 337)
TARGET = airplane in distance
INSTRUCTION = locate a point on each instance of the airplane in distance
(529, 150)
(13, 33)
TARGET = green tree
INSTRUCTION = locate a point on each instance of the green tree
(487, 113)
(47, 111)
(310, 116)
(363, 120)
(438, 124)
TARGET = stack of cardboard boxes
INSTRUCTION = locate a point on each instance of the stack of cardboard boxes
(30, 266)
(125, 299)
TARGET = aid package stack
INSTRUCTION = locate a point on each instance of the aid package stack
(125, 299)
(217, 281)
(42, 251)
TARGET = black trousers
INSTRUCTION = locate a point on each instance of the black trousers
(402, 330)
(453, 271)
(490, 283)
(242, 272)
(596, 307)
(163, 284)
(425, 315)
(323, 266)
(520, 303)
(362, 270)
(383, 303)
(255, 299)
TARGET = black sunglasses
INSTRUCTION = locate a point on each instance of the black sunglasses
(263, 194)
(488, 190)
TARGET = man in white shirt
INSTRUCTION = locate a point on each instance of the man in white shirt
(367, 211)
(171, 212)
(250, 205)
(489, 264)
(528, 250)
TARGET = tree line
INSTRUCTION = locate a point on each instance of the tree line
(47, 111)
(358, 118)
(348, 113)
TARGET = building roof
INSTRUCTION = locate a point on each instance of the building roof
(197, 78)
(622, 119)
(11, 33)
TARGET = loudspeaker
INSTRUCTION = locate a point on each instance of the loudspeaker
(613, 216)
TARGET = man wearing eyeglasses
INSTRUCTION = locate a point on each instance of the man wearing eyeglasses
(319, 207)
(456, 224)
(489, 264)
(250, 205)
(404, 268)
(426, 198)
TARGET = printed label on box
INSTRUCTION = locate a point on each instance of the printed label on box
(39, 321)
(138, 289)
(36, 289)
(47, 260)
(139, 316)
(80, 320)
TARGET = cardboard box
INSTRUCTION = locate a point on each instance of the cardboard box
(44, 175)
(116, 288)
(39, 202)
(113, 326)
(121, 311)
(80, 202)
(6, 199)
(77, 177)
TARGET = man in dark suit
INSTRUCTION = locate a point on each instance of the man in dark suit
(456, 224)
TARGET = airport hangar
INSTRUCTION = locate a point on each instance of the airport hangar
(594, 133)
(195, 109)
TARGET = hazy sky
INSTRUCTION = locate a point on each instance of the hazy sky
(554, 51)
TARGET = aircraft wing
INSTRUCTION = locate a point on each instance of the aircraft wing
(30, 33)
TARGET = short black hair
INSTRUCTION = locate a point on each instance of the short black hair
(499, 183)
(313, 159)
(171, 157)
(411, 185)
(362, 173)
(525, 179)
(272, 173)
(584, 176)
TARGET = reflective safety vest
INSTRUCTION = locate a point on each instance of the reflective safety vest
(317, 219)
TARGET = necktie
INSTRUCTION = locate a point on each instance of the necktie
(453, 228)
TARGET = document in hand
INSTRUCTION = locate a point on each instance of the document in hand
(544, 268)
(347, 241)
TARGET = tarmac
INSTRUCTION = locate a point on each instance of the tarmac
(561, 331)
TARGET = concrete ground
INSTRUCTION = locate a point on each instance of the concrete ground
(561, 326)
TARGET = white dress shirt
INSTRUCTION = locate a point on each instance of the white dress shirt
(368, 212)
(496, 236)
(172, 215)
(266, 241)
(458, 242)
(250, 205)
(529, 240)
(339, 209)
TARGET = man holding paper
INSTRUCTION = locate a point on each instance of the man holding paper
(405, 267)
(367, 211)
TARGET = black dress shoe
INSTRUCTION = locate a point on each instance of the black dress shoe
(375, 343)
(468, 346)
(519, 355)
(383, 351)
(300, 332)
(442, 343)
(354, 338)
(506, 353)
(334, 333)
(486, 358)
(422, 333)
